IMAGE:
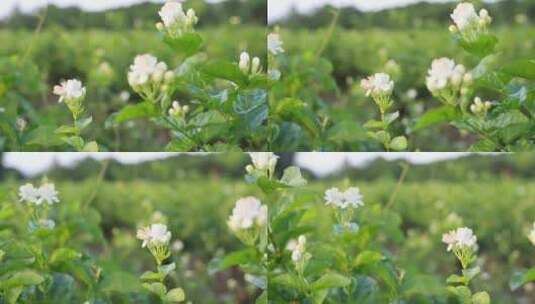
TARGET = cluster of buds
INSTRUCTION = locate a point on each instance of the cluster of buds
(480, 108)
(446, 80)
(248, 220)
(177, 110)
(264, 164)
(299, 255)
(148, 77)
(531, 235)
(39, 199)
(72, 93)
(468, 23)
(248, 66)
(463, 243)
(176, 22)
(345, 204)
(379, 87)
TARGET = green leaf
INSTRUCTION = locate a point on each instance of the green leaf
(23, 278)
(470, 273)
(156, 288)
(481, 298)
(374, 124)
(141, 110)
(268, 185)
(483, 145)
(463, 293)
(331, 280)
(483, 46)
(167, 268)
(346, 131)
(187, 44)
(241, 257)
(91, 146)
(61, 255)
(295, 110)
(288, 280)
(456, 279)
(367, 257)
(67, 130)
(391, 117)
(292, 177)
(175, 295)
(521, 278)
(521, 68)
(252, 107)
(84, 122)
(399, 143)
(43, 136)
(436, 116)
(225, 70)
(152, 276)
(13, 294)
(319, 296)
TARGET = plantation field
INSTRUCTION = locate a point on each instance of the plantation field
(406, 54)
(35, 63)
(406, 225)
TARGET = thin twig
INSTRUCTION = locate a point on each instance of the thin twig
(100, 177)
(330, 31)
(404, 170)
(36, 32)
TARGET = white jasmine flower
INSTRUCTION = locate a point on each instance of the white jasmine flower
(334, 197)
(48, 194)
(172, 13)
(70, 90)
(350, 198)
(531, 235)
(275, 44)
(379, 83)
(154, 235)
(247, 212)
(353, 197)
(264, 160)
(28, 193)
(256, 68)
(146, 68)
(21, 124)
(443, 72)
(462, 238)
(464, 15)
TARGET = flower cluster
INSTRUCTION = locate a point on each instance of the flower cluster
(463, 243)
(248, 66)
(480, 108)
(468, 22)
(247, 213)
(445, 79)
(154, 235)
(176, 22)
(72, 93)
(531, 235)
(379, 86)
(177, 110)
(297, 247)
(46, 193)
(274, 44)
(349, 198)
(156, 238)
(147, 75)
(263, 163)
